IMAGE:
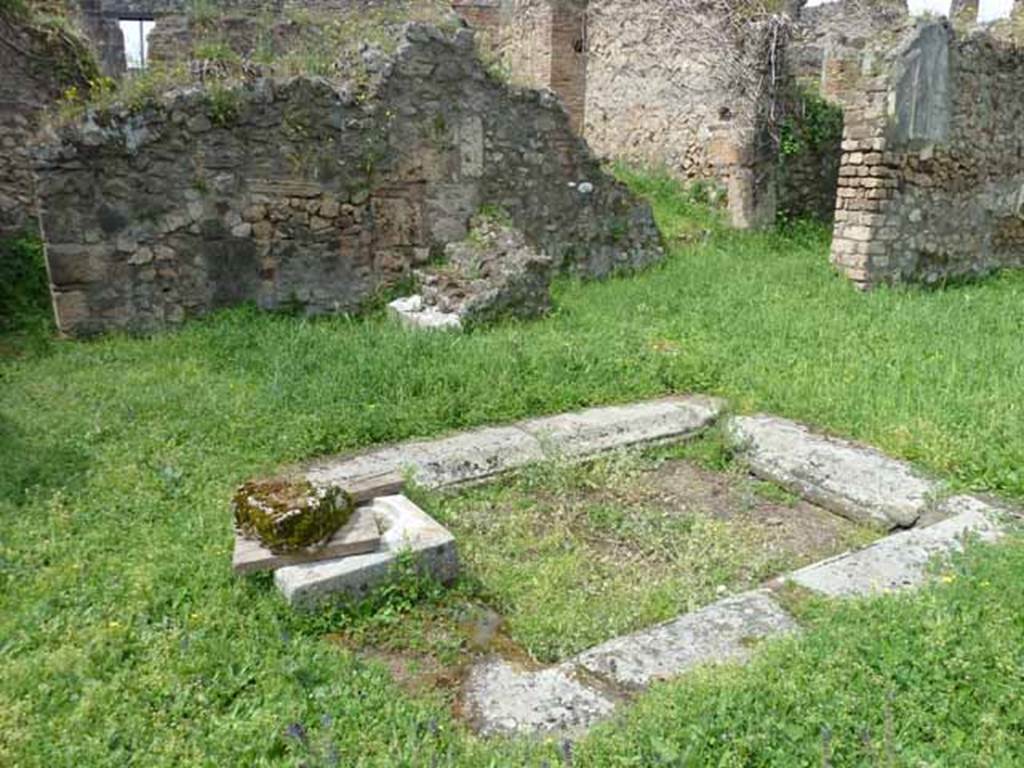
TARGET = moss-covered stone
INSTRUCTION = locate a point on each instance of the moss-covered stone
(290, 515)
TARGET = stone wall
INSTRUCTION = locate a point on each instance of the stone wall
(810, 140)
(679, 91)
(826, 31)
(540, 44)
(932, 177)
(307, 193)
(36, 65)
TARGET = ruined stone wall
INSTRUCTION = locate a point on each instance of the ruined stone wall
(673, 85)
(932, 178)
(303, 192)
(810, 139)
(36, 65)
(827, 31)
(524, 41)
(104, 36)
(539, 44)
(650, 98)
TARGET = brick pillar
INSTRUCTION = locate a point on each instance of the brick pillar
(482, 15)
(867, 177)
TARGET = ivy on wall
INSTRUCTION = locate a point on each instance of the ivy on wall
(811, 127)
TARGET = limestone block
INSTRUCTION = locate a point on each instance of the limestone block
(405, 528)
(465, 457)
(413, 313)
(482, 453)
(501, 698)
(901, 561)
(602, 429)
(854, 481)
(721, 632)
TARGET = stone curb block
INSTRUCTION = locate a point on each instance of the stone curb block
(504, 699)
(597, 430)
(482, 453)
(718, 632)
(856, 482)
(901, 561)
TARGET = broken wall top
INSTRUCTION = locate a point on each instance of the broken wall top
(314, 193)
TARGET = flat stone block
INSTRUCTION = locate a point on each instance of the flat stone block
(404, 527)
(465, 457)
(860, 483)
(720, 632)
(482, 453)
(501, 698)
(601, 429)
(413, 313)
(901, 561)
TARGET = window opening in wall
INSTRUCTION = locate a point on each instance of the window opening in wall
(136, 43)
(994, 10)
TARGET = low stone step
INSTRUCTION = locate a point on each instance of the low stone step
(404, 528)
(465, 457)
(482, 453)
(900, 561)
(721, 632)
(856, 482)
(596, 430)
(502, 698)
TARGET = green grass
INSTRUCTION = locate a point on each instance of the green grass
(124, 640)
(572, 555)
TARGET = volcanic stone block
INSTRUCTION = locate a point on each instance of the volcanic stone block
(290, 515)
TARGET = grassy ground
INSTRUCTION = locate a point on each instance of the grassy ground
(573, 555)
(124, 640)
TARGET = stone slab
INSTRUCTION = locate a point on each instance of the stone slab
(482, 453)
(467, 456)
(856, 482)
(358, 536)
(404, 528)
(502, 698)
(411, 312)
(596, 430)
(901, 561)
(720, 632)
